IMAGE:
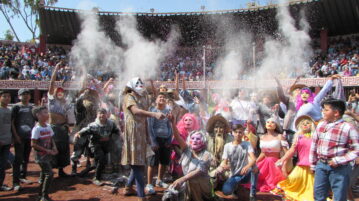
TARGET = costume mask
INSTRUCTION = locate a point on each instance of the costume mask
(137, 85)
(188, 123)
(219, 128)
(196, 141)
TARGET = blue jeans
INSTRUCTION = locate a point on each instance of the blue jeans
(137, 174)
(254, 178)
(231, 184)
(327, 178)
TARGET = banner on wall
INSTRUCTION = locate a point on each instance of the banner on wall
(229, 84)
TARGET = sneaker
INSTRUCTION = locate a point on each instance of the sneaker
(161, 184)
(16, 187)
(150, 189)
(5, 188)
(26, 181)
(97, 182)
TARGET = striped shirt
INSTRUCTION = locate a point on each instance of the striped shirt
(336, 141)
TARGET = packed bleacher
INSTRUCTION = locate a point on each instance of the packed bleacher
(24, 62)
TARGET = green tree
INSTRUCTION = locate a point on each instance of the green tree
(27, 10)
(9, 35)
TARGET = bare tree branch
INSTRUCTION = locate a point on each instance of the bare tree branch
(7, 17)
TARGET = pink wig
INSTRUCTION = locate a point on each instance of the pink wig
(299, 102)
(181, 125)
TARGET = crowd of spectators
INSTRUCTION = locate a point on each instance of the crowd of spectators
(341, 58)
(20, 61)
(23, 62)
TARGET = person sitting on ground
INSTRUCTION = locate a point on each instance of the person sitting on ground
(195, 162)
(238, 157)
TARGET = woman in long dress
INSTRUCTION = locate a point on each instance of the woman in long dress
(271, 144)
(135, 105)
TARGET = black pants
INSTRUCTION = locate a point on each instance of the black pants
(22, 154)
(4, 155)
(79, 148)
(100, 151)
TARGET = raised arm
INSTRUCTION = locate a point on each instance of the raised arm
(282, 98)
(177, 137)
(153, 89)
(326, 88)
(183, 83)
(176, 93)
(107, 84)
(53, 78)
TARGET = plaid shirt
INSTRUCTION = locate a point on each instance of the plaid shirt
(337, 141)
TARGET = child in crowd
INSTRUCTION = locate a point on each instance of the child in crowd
(160, 133)
(238, 157)
(45, 147)
(100, 132)
(334, 144)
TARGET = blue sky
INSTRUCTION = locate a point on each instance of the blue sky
(135, 6)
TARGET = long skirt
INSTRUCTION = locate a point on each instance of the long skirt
(269, 174)
(61, 138)
(298, 186)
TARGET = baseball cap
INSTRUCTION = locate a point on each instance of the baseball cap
(22, 91)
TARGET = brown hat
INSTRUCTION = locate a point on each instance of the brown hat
(300, 118)
(296, 86)
(212, 121)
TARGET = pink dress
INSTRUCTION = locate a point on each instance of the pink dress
(303, 150)
(299, 185)
(269, 173)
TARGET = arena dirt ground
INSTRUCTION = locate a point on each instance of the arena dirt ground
(81, 189)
